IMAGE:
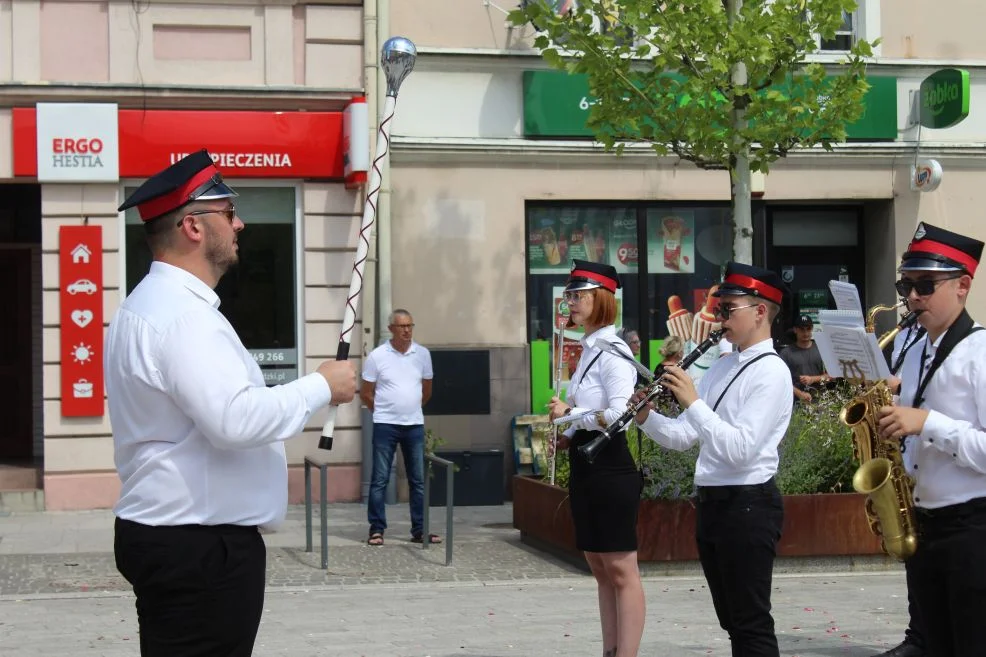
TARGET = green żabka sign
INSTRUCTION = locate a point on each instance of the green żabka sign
(945, 98)
(556, 104)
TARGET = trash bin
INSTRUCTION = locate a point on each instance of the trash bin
(478, 478)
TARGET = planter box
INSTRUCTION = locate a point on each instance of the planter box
(829, 525)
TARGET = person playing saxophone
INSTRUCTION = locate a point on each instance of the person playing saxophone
(738, 416)
(941, 416)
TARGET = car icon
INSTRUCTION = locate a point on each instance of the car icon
(81, 286)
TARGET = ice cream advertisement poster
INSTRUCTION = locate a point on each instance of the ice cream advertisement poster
(623, 252)
(557, 237)
(671, 243)
(694, 326)
(572, 346)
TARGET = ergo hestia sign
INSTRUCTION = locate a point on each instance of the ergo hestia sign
(77, 142)
(945, 98)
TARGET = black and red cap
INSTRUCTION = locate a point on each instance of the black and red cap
(589, 275)
(743, 279)
(195, 177)
(936, 249)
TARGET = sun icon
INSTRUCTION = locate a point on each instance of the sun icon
(82, 352)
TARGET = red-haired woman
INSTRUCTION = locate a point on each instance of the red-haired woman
(604, 494)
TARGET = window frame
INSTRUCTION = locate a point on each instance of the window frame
(299, 248)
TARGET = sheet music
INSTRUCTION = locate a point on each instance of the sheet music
(840, 318)
(851, 352)
(846, 296)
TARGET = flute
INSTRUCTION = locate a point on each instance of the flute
(591, 449)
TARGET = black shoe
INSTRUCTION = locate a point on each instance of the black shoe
(905, 649)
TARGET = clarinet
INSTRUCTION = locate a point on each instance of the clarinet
(592, 448)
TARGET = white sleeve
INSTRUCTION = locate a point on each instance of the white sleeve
(204, 370)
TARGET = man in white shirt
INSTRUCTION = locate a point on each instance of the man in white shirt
(397, 379)
(198, 437)
(737, 418)
(942, 417)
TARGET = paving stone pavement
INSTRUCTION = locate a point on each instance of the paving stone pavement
(60, 594)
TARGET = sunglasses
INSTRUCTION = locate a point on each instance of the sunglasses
(573, 297)
(924, 287)
(723, 312)
(229, 213)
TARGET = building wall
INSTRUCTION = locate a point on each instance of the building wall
(907, 29)
(220, 43)
(184, 55)
(79, 468)
(463, 171)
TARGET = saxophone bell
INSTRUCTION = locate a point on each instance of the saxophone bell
(881, 476)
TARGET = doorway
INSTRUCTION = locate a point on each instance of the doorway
(20, 336)
(810, 246)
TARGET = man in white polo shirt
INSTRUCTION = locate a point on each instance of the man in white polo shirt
(396, 384)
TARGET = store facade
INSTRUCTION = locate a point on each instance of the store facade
(244, 81)
(501, 189)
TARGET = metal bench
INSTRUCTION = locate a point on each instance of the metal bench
(322, 465)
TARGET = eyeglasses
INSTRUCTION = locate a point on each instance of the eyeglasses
(723, 312)
(924, 287)
(573, 297)
(403, 326)
(229, 212)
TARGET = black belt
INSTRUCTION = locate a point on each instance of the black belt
(975, 506)
(723, 493)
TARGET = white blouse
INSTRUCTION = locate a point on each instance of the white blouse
(197, 435)
(607, 386)
(738, 442)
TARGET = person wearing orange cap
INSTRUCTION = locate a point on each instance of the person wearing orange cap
(604, 493)
(198, 437)
(737, 421)
(941, 417)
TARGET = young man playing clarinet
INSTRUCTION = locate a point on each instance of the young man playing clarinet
(737, 418)
(941, 416)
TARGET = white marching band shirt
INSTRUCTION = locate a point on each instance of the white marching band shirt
(198, 437)
(738, 442)
(948, 457)
(606, 386)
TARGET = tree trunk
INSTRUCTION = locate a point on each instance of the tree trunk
(739, 175)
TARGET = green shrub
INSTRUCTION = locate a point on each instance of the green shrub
(815, 455)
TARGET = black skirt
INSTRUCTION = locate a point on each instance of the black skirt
(604, 495)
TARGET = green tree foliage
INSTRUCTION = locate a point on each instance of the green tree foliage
(715, 82)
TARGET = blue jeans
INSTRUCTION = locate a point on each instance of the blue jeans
(386, 438)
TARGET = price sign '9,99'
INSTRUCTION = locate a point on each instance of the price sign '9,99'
(80, 297)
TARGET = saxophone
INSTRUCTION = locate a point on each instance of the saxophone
(881, 474)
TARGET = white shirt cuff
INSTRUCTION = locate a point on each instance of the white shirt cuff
(316, 390)
(936, 432)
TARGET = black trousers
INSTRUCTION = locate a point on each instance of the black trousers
(914, 634)
(947, 577)
(737, 533)
(200, 589)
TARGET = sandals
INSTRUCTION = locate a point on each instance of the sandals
(376, 539)
(432, 539)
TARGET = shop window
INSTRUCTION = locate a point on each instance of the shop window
(687, 250)
(667, 257)
(259, 296)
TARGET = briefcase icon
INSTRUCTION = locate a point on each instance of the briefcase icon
(82, 389)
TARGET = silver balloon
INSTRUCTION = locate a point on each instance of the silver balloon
(397, 59)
